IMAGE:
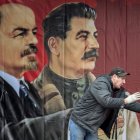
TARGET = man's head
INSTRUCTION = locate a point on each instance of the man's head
(70, 39)
(17, 39)
(118, 76)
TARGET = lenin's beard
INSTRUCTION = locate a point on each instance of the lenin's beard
(32, 64)
(91, 53)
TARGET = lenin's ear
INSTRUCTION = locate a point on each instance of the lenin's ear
(53, 44)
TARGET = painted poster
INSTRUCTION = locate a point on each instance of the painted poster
(50, 54)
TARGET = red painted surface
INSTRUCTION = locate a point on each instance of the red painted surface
(118, 24)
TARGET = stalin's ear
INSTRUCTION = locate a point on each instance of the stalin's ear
(54, 44)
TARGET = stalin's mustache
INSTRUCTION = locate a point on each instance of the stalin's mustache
(92, 53)
(30, 50)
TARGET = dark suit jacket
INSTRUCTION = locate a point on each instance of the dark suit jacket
(26, 121)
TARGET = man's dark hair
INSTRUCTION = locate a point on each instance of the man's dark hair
(57, 23)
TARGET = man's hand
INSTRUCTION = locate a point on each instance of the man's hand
(132, 98)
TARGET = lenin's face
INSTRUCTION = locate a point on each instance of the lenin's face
(17, 34)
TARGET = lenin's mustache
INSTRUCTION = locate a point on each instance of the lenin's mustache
(92, 53)
(30, 50)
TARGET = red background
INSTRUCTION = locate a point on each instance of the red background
(118, 23)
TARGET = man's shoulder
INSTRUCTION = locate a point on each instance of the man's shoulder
(43, 82)
(1, 80)
(1, 83)
(4, 87)
(103, 78)
(43, 79)
(102, 81)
